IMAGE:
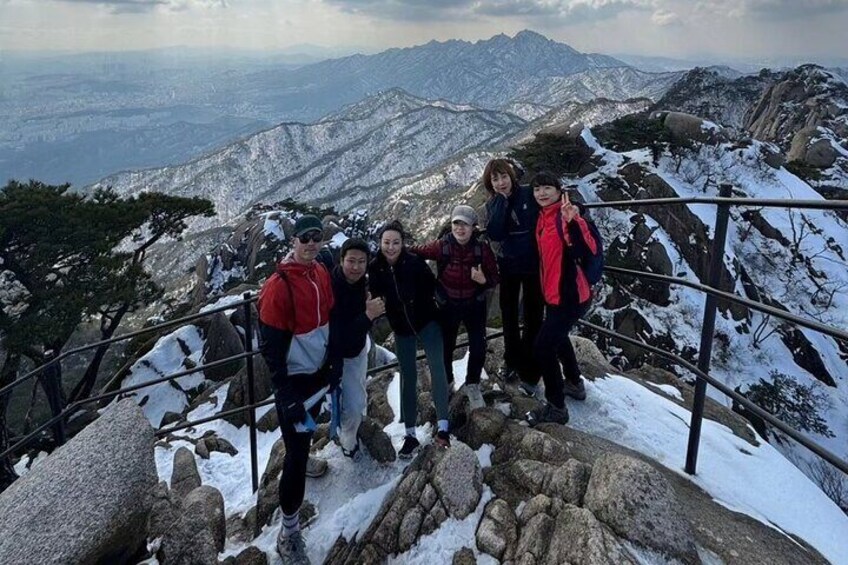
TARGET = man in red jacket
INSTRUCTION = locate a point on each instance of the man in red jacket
(564, 239)
(294, 315)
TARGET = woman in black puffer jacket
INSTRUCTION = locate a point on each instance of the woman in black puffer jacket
(407, 286)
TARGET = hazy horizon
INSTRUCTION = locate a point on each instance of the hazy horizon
(681, 29)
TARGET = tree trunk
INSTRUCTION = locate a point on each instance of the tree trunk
(89, 379)
(51, 382)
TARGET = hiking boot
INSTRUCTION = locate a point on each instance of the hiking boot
(315, 467)
(443, 439)
(547, 413)
(410, 447)
(354, 454)
(475, 397)
(292, 548)
(577, 390)
(508, 375)
(533, 391)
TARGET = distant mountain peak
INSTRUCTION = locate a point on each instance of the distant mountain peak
(530, 35)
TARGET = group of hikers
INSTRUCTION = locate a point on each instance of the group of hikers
(314, 324)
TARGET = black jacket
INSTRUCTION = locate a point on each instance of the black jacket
(347, 318)
(512, 223)
(408, 289)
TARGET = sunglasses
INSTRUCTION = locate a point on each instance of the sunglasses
(315, 236)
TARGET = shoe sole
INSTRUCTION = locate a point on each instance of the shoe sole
(317, 475)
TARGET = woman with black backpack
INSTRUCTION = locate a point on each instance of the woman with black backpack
(466, 271)
(567, 243)
(407, 286)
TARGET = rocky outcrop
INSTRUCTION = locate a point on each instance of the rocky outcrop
(89, 501)
(636, 501)
(687, 128)
(376, 441)
(497, 533)
(804, 98)
(808, 147)
(222, 341)
(437, 485)
(238, 391)
(184, 477)
(199, 533)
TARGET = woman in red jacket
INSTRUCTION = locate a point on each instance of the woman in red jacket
(564, 239)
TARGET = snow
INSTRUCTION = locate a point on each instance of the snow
(172, 354)
(670, 390)
(221, 302)
(757, 481)
(28, 463)
(337, 240)
(450, 537)
(273, 228)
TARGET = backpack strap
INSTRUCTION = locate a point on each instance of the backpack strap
(444, 256)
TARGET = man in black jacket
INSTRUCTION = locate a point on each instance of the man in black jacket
(353, 312)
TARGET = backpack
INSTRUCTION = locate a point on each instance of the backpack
(442, 263)
(592, 265)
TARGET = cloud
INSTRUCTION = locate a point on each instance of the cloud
(772, 9)
(664, 18)
(563, 11)
(405, 10)
(142, 6)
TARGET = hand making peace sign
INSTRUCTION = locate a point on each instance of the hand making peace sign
(568, 210)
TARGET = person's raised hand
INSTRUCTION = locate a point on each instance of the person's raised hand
(568, 209)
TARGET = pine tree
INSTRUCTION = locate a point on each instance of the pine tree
(60, 265)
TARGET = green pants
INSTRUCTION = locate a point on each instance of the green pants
(430, 338)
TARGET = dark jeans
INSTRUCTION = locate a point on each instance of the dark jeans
(553, 347)
(293, 480)
(472, 313)
(430, 338)
(526, 291)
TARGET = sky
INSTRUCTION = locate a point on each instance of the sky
(672, 28)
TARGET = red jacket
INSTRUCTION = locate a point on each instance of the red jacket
(560, 247)
(295, 304)
(455, 272)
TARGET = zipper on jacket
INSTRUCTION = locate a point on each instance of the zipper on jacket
(318, 295)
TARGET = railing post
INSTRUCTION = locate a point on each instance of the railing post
(251, 414)
(708, 329)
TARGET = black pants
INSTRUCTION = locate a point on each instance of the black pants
(293, 480)
(472, 313)
(524, 290)
(553, 347)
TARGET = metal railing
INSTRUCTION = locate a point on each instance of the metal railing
(714, 292)
(701, 370)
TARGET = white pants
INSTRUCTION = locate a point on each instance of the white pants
(354, 399)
